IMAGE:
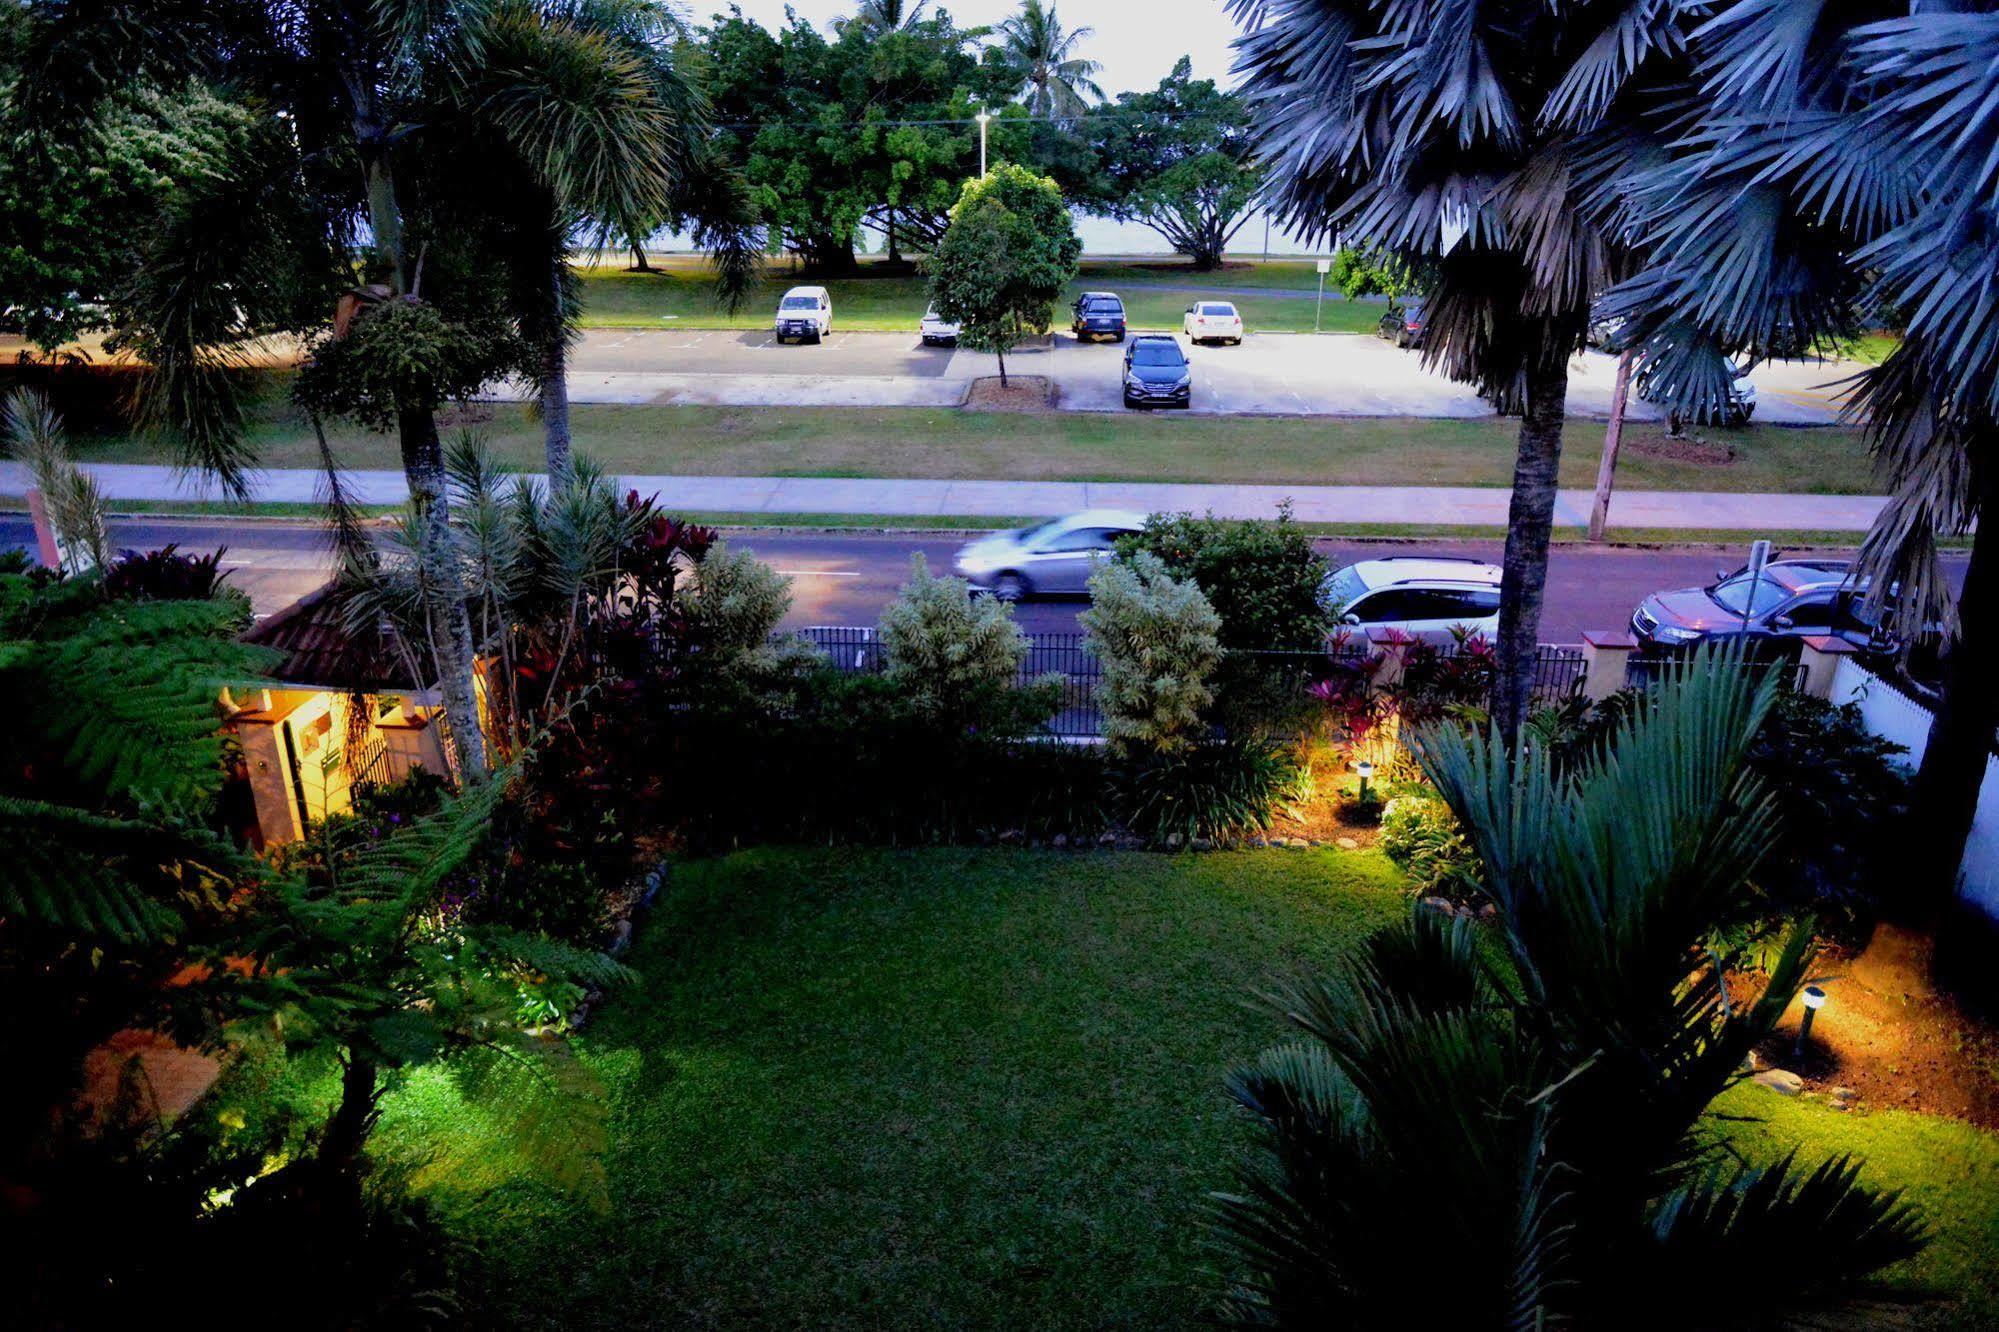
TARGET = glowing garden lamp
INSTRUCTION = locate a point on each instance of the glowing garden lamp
(1814, 999)
(1366, 770)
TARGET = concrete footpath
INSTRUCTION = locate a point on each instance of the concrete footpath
(1468, 506)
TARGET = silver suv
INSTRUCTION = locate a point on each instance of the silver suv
(1432, 598)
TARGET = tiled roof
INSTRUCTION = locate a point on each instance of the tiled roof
(320, 651)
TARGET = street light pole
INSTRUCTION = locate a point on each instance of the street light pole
(983, 117)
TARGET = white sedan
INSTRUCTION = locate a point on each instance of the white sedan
(1213, 321)
(938, 332)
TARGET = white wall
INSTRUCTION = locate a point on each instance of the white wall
(1894, 716)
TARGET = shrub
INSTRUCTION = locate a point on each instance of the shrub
(734, 605)
(1423, 837)
(1263, 578)
(952, 656)
(165, 575)
(1157, 638)
(1218, 789)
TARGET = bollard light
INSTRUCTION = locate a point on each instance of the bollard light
(1814, 1000)
(1366, 770)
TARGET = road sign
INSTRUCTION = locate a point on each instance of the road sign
(1325, 267)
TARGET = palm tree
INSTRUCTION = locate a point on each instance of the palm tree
(368, 104)
(1055, 82)
(1497, 159)
(1537, 1114)
(1832, 157)
(875, 17)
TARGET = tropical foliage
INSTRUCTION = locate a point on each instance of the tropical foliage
(1539, 1117)
(1009, 252)
(1159, 641)
(1178, 159)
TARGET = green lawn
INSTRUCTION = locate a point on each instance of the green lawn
(680, 294)
(969, 1088)
(948, 443)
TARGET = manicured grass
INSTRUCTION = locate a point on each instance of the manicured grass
(897, 1089)
(681, 294)
(948, 443)
(1949, 1169)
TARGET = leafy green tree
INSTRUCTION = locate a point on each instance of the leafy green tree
(953, 653)
(1368, 270)
(1498, 156)
(1159, 641)
(1048, 73)
(1008, 254)
(1178, 159)
(1834, 154)
(869, 130)
(1263, 578)
(1541, 1119)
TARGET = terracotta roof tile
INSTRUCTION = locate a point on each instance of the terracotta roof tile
(319, 650)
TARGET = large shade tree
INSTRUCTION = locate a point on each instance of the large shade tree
(1836, 153)
(1179, 160)
(1487, 141)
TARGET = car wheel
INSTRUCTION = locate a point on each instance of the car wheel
(1010, 587)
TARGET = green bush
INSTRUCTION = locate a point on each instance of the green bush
(1423, 837)
(734, 604)
(951, 655)
(1158, 641)
(1263, 578)
(1219, 789)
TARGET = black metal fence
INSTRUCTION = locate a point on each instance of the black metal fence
(1642, 672)
(1280, 677)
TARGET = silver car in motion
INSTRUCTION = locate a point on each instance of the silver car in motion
(1052, 558)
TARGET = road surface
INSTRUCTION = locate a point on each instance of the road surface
(844, 578)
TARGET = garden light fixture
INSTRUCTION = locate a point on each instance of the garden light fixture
(1814, 1000)
(1366, 770)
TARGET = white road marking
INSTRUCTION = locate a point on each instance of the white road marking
(819, 573)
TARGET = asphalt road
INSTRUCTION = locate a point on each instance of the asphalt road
(844, 578)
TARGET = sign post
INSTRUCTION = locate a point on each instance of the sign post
(1325, 267)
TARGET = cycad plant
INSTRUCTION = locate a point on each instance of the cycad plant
(1531, 1116)
(30, 432)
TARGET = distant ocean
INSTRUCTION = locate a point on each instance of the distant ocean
(1103, 236)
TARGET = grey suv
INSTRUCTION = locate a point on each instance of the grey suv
(1792, 599)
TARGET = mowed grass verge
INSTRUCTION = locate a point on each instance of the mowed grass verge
(952, 444)
(1277, 297)
(971, 1088)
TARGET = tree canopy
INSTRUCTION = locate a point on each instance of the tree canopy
(1010, 249)
(1178, 160)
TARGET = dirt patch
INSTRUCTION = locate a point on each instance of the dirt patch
(1700, 452)
(1889, 1036)
(1022, 393)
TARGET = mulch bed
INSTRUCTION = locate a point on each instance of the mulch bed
(1022, 393)
(1700, 452)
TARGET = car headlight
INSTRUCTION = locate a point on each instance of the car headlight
(1184, 380)
(1667, 633)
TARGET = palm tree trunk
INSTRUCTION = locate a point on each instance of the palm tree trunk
(1952, 774)
(423, 466)
(555, 384)
(1530, 522)
(1613, 441)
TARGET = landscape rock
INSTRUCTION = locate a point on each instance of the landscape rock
(1346, 844)
(621, 937)
(1108, 839)
(1780, 1080)
(1439, 904)
(1173, 841)
(1061, 841)
(1201, 844)
(1843, 1093)
(1488, 912)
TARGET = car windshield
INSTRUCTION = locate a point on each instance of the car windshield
(1027, 534)
(800, 303)
(1103, 305)
(1344, 588)
(1157, 353)
(930, 312)
(1747, 596)
(1225, 311)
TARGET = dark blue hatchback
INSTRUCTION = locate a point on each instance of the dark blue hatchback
(1098, 314)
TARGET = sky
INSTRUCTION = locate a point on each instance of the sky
(1137, 41)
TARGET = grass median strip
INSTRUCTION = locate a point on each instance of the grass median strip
(949, 444)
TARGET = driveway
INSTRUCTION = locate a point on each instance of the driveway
(1270, 374)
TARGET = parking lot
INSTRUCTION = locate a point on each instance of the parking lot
(1269, 374)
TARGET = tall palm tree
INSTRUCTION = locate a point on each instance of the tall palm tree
(366, 101)
(1055, 81)
(875, 17)
(1540, 1118)
(1490, 140)
(1837, 152)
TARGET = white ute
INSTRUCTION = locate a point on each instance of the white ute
(938, 331)
(805, 312)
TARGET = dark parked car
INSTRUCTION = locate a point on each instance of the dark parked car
(1156, 372)
(1403, 324)
(1791, 599)
(1098, 314)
